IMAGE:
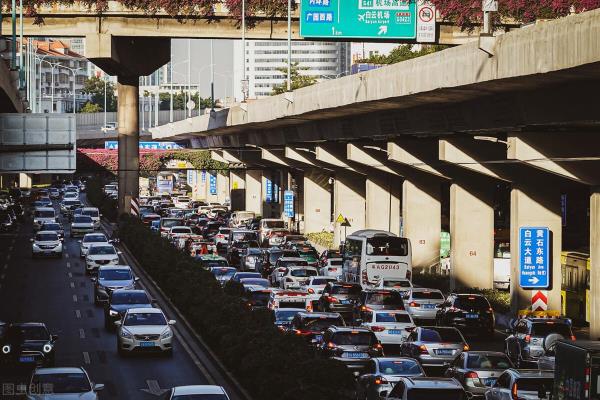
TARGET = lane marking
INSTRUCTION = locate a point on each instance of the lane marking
(70, 275)
(72, 285)
(77, 313)
(81, 333)
(2, 276)
(75, 298)
(7, 257)
(10, 248)
(68, 264)
(67, 255)
(5, 266)
(86, 357)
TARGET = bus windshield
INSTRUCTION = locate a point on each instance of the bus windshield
(387, 246)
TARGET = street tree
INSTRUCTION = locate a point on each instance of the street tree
(298, 79)
(94, 86)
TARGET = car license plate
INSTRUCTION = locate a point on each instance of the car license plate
(472, 316)
(444, 352)
(344, 301)
(27, 359)
(318, 338)
(489, 381)
(355, 354)
(146, 344)
(428, 306)
(395, 331)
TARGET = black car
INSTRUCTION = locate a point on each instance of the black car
(326, 255)
(270, 259)
(236, 251)
(340, 297)
(28, 344)
(211, 229)
(255, 298)
(6, 222)
(311, 325)
(377, 299)
(119, 301)
(351, 346)
(470, 313)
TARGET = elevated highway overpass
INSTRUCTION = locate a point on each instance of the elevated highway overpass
(386, 147)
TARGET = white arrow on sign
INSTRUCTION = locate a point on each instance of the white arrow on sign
(534, 280)
(154, 388)
(382, 30)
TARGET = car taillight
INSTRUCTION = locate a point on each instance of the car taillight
(364, 308)
(311, 290)
(281, 269)
(332, 299)
(466, 347)
(515, 392)
(331, 269)
(471, 375)
(573, 338)
(527, 338)
(586, 385)
(331, 345)
(413, 304)
(309, 307)
(380, 380)
(423, 349)
(378, 346)
(378, 328)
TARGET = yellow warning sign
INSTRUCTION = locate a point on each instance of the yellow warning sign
(235, 185)
(340, 219)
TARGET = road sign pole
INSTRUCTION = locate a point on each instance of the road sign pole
(289, 66)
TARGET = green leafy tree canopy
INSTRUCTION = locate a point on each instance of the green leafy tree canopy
(402, 53)
(94, 86)
(90, 108)
(298, 80)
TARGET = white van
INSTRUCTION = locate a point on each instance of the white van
(93, 213)
(41, 215)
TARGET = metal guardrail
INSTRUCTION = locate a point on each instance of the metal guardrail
(97, 119)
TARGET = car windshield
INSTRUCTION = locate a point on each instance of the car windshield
(400, 367)
(259, 297)
(488, 361)
(51, 227)
(396, 284)
(91, 213)
(275, 224)
(216, 263)
(243, 275)
(169, 223)
(255, 281)
(320, 281)
(472, 302)
(94, 239)
(427, 295)
(223, 272)
(102, 250)
(82, 220)
(308, 253)
(438, 335)
(115, 274)
(303, 273)
(387, 246)
(385, 298)
(534, 384)
(322, 323)
(428, 394)
(336, 261)
(544, 329)
(71, 203)
(110, 187)
(346, 289)
(129, 298)
(283, 315)
(44, 214)
(200, 397)
(46, 237)
(62, 383)
(243, 236)
(24, 332)
(392, 317)
(294, 262)
(137, 319)
(356, 338)
(181, 230)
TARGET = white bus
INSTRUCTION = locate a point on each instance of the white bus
(371, 256)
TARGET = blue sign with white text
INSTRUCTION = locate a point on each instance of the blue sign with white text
(534, 257)
(288, 204)
(114, 145)
(213, 184)
(269, 190)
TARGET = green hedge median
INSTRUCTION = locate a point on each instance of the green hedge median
(106, 205)
(267, 363)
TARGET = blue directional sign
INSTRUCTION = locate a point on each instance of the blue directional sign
(288, 204)
(212, 182)
(114, 145)
(268, 190)
(203, 176)
(534, 257)
(380, 19)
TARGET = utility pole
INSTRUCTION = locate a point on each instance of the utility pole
(105, 102)
(21, 69)
(189, 72)
(289, 66)
(13, 61)
(212, 78)
(244, 80)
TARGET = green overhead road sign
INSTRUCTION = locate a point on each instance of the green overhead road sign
(366, 19)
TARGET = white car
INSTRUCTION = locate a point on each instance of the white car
(266, 225)
(333, 268)
(315, 286)
(71, 196)
(94, 214)
(91, 239)
(281, 265)
(421, 302)
(182, 202)
(391, 327)
(222, 237)
(46, 243)
(402, 285)
(177, 232)
(241, 218)
(81, 225)
(99, 255)
(144, 329)
(197, 392)
(41, 215)
(62, 383)
(296, 277)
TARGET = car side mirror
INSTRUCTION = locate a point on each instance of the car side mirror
(99, 215)
(93, 279)
(172, 322)
(154, 302)
(136, 279)
(314, 341)
(98, 387)
(31, 240)
(119, 252)
(118, 323)
(79, 241)
(54, 338)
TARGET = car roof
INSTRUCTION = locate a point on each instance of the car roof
(44, 209)
(128, 291)
(198, 389)
(47, 232)
(297, 310)
(305, 314)
(28, 324)
(531, 373)
(421, 289)
(111, 267)
(59, 370)
(384, 359)
(369, 233)
(432, 383)
(291, 259)
(150, 310)
(349, 329)
(95, 234)
(483, 352)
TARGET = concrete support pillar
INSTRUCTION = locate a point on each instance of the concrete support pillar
(237, 189)
(422, 218)
(254, 191)
(349, 200)
(223, 193)
(383, 202)
(129, 135)
(25, 180)
(594, 301)
(317, 202)
(535, 204)
(471, 234)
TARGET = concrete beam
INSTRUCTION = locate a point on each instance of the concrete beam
(358, 154)
(415, 154)
(218, 156)
(335, 155)
(460, 153)
(276, 157)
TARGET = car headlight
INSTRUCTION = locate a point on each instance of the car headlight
(125, 333)
(5, 349)
(166, 334)
(47, 348)
(35, 246)
(112, 313)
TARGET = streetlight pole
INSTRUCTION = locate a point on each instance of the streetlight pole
(171, 92)
(21, 70)
(104, 79)
(13, 62)
(212, 77)
(189, 72)
(244, 83)
(289, 66)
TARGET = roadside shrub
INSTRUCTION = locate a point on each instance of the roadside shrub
(267, 363)
(324, 239)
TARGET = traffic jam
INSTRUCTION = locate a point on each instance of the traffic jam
(356, 305)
